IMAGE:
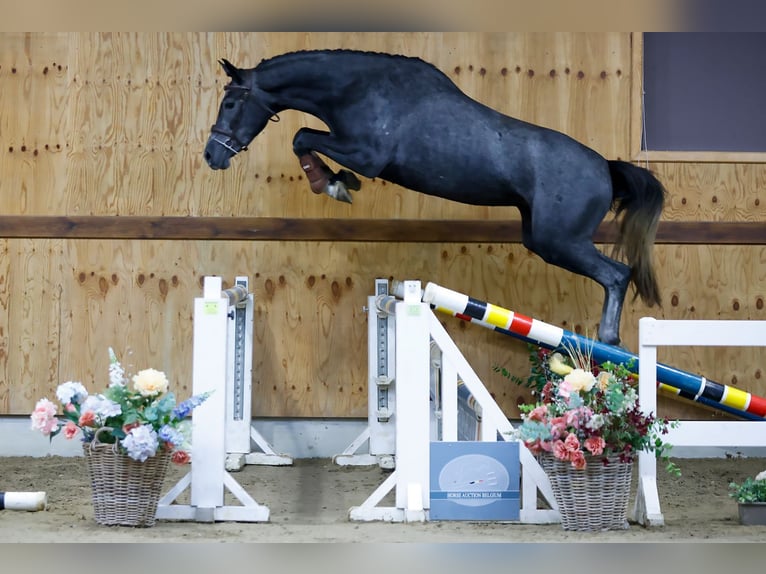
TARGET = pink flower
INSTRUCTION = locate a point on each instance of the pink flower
(565, 389)
(70, 429)
(573, 418)
(44, 417)
(534, 446)
(558, 427)
(180, 457)
(538, 414)
(572, 443)
(537, 446)
(560, 450)
(130, 426)
(87, 419)
(595, 445)
(578, 459)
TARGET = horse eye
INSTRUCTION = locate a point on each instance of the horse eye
(228, 105)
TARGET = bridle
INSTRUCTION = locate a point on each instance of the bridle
(231, 142)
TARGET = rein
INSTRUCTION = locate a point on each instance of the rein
(231, 139)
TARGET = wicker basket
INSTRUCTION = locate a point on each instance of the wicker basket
(124, 491)
(594, 498)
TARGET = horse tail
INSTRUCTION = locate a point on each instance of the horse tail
(639, 197)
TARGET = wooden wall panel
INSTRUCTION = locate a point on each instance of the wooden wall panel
(30, 301)
(33, 121)
(132, 111)
(713, 191)
(116, 127)
(134, 296)
(310, 328)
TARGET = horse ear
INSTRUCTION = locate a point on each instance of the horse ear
(231, 70)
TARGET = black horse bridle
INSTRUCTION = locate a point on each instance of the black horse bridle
(231, 142)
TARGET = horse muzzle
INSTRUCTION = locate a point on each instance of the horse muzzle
(217, 155)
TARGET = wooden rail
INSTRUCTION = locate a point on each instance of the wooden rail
(363, 230)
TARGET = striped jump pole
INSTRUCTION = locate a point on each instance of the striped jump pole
(686, 385)
(30, 501)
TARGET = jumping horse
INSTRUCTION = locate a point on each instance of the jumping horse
(400, 119)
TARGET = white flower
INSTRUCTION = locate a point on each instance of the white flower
(150, 382)
(116, 372)
(580, 380)
(596, 422)
(103, 407)
(141, 442)
(71, 392)
(761, 475)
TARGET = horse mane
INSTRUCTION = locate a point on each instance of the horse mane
(277, 58)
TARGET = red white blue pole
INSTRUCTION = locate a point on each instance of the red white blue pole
(682, 383)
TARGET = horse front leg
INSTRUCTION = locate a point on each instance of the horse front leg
(323, 180)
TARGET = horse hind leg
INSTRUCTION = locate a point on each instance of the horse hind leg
(323, 180)
(581, 256)
(614, 277)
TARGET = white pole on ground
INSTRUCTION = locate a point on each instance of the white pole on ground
(30, 501)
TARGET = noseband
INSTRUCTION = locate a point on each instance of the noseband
(231, 142)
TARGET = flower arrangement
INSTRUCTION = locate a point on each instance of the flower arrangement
(589, 410)
(751, 490)
(142, 420)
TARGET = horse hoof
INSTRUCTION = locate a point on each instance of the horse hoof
(338, 191)
(349, 179)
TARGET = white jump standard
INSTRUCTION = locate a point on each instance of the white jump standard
(380, 434)
(222, 363)
(653, 333)
(415, 328)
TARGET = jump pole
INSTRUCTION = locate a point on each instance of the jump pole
(686, 385)
(215, 332)
(29, 501)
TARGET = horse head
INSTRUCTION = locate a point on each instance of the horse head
(242, 115)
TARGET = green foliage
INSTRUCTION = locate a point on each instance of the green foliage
(751, 490)
(583, 407)
(538, 370)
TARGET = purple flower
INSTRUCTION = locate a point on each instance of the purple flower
(169, 433)
(183, 409)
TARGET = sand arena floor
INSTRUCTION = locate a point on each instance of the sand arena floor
(309, 502)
